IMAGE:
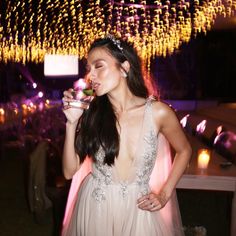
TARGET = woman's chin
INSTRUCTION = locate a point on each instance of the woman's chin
(99, 93)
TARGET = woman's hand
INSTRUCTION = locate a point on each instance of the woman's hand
(152, 201)
(72, 114)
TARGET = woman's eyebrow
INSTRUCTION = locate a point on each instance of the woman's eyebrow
(97, 60)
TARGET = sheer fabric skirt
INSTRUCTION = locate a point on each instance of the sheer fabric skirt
(117, 214)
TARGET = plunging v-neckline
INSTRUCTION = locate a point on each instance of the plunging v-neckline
(136, 149)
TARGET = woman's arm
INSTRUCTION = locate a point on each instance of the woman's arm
(70, 160)
(169, 125)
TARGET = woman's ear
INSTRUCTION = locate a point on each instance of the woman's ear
(125, 66)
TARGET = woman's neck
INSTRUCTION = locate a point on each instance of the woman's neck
(124, 101)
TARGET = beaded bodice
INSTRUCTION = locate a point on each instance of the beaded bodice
(142, 165)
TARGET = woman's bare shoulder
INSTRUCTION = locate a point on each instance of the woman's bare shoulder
(162, 109)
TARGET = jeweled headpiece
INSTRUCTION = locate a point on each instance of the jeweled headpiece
(115, 41)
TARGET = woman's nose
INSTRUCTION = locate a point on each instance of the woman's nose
(91, 75)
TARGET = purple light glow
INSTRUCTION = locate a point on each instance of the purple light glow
(41, 106)
(34, 85)
(40, 94)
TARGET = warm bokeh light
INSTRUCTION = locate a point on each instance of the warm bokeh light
(30, 29)
(16, 111)
(10, 114)
(2, 112)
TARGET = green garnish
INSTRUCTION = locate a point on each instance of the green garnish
(88, 92)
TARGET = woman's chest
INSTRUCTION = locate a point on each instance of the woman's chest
(130, 129)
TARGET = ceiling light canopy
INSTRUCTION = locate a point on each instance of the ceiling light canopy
(29, 29)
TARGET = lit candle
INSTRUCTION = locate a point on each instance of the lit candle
(203, 158)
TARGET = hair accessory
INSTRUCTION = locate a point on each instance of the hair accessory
(115, 41)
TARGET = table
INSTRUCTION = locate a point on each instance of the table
(213, 178)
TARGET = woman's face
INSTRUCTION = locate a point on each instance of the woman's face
(103, 71)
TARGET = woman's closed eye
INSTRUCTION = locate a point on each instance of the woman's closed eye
(98, 66)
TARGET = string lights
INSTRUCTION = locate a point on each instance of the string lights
(29, 29)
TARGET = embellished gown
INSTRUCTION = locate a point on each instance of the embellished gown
(107, 206)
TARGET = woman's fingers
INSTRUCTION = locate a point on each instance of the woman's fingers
(67, 98)
(152, 202)
(66, 106)
(88, 98)
(148, 203)
(68, 94)
(150, 206)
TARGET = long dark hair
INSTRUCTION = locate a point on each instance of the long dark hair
(97, 126)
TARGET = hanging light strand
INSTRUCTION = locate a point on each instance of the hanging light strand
(30, 29)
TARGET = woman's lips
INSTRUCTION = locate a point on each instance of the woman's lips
(95, 85)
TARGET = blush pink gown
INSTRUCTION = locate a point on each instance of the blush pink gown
(101, 204)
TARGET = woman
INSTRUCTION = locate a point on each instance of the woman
(119, 132)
